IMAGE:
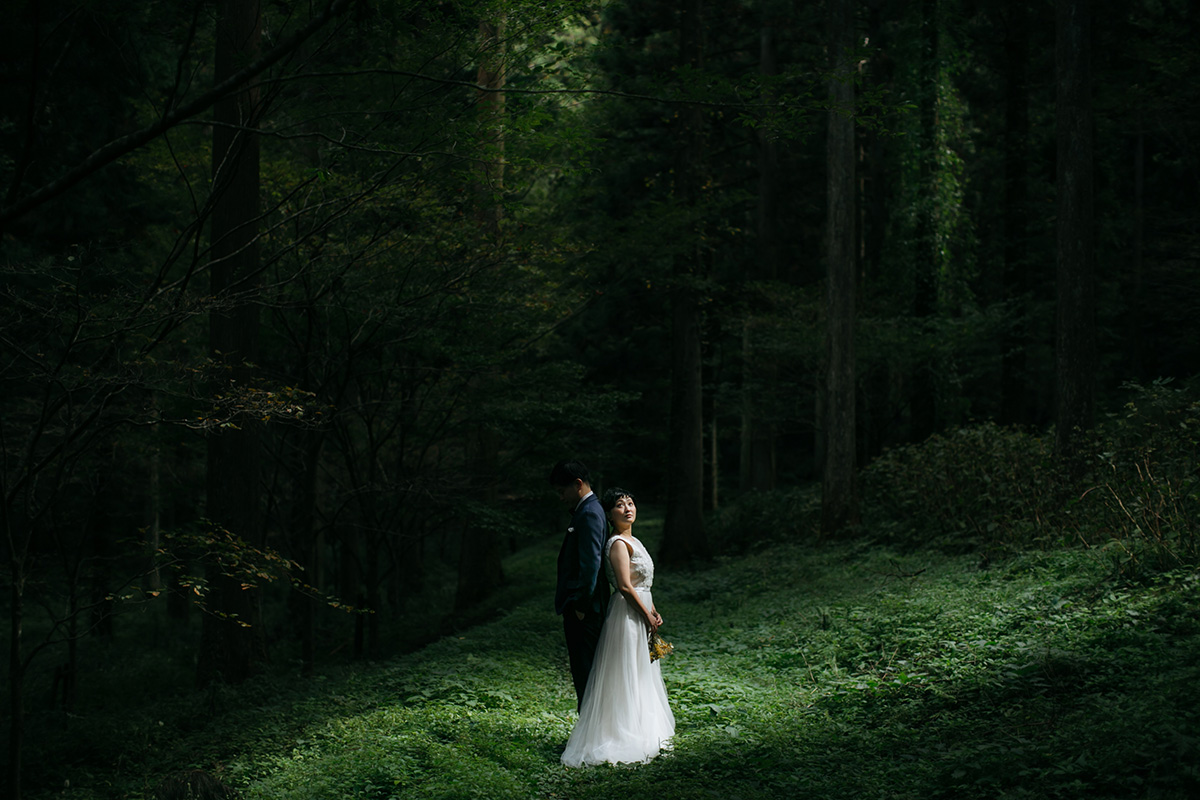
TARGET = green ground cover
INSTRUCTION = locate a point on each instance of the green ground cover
(800, 670)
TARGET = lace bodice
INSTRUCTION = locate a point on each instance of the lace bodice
(641, 566)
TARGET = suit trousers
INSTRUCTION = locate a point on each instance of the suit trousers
(582, 636)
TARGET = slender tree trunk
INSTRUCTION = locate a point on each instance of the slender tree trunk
(304, 607)
(714, 457)
(1017, 284)
(768, 170)
(684, 538)
(491, 76)
(839, 493)
(1075, 339)
(70, 670)
(1133, 333)
(349, 580)
(479, 568)
(374, 596)
(154, 499)
(16, 667)
(230, 651)
(758, 455)
(683, 527)
(924, 400)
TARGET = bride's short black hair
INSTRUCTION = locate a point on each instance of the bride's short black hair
(611, 496)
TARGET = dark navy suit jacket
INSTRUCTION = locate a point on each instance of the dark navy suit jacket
(581, 579)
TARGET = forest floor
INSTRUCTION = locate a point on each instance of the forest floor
(817, 671)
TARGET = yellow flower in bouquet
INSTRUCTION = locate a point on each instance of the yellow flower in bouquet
(659, 647)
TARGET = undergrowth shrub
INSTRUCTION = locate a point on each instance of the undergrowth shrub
(987, 487)
(764, 518)
(1142, 507)
(977, 486)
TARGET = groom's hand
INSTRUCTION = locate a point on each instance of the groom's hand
(579, 615)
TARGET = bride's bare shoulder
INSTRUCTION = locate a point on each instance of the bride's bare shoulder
(628, 543)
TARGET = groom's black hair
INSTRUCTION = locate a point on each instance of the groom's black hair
(611, 496)
(567, 472)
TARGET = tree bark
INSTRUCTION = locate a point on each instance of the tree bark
(839, 492)
(1075, 334)
(232, 645)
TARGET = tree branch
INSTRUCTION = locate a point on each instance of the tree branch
(123, 145)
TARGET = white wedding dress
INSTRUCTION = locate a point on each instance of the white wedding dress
(624, 716)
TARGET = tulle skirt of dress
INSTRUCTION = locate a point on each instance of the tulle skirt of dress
(624, 716)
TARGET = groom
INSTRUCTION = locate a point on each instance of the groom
(582, 592)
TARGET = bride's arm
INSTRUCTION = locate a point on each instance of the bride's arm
(619, 556)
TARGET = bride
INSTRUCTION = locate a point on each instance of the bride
(624, 716)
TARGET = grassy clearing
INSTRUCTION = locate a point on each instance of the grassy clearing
(841, 671)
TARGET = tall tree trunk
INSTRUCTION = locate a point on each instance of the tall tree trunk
(1075, 335)
(684, 538)
(232, 645)
(479, 567)
(1015, 389)
(875, 178)
(839, 494)
(874, 211)
(757, 468)
(924, 408)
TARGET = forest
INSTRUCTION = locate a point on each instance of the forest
(300, 301)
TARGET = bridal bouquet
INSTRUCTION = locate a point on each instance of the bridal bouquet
(659, 647)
